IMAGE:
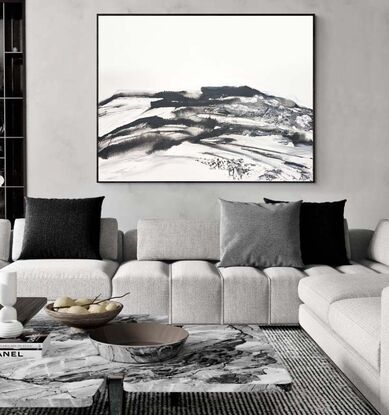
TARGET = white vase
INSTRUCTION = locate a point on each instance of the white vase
(10, 329)
(8, 313)
(8, 288)
(9, 325)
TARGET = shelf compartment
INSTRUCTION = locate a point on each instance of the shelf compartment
(1, 53)
(2, 125)
(14, 168)
(14, 75)
(13, 33)
(14, 118)
(2, 167)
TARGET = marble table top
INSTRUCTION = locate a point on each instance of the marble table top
(214, 359)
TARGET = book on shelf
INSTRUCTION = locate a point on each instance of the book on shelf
(29, 344)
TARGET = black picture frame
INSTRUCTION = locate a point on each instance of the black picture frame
(314, 129)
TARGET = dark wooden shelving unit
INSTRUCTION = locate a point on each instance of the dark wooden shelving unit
(12, 109)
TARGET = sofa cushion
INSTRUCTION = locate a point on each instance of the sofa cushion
(148, 284)
(313, 270)
(246, 295)
(319, 292)
(359, 243)
(54, 278)
(375, 266)
(196, 293)
(355, 269)
(108, 238)
(179, 239)
(379, 244)
(130, 240)
(259, 235)
(284, 301)
(365, 267)
(323, 232)
(62, 228)
(357, 321)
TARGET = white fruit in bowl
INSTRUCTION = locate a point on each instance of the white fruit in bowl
(104, 303)
(63, 302)
(83, 301)
(111, 306)
(96, 308)
(77, 309)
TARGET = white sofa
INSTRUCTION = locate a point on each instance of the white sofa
(169, 266)
(348, 317)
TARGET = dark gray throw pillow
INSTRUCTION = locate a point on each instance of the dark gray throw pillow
(62, 228)
(259, 235)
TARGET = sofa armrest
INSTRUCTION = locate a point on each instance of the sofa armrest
(384, 368)
(359, 243)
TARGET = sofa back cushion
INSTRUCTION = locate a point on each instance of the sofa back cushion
(379, 244)
(177, 239)
(260, 235)
(108, 238)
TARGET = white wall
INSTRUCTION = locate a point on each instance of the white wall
(352, 110)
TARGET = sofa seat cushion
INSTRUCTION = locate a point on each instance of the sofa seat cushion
(375, 266)
(196, 293)
(357, 321)
(246, 295)
(53, 278)
(148, 284)
(284, 301)
(319, 292)
(353, 268)
(313, 270)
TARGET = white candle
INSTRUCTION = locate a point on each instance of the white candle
(8, 288)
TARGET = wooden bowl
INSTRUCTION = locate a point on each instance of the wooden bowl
(83, 321)
(138, 342)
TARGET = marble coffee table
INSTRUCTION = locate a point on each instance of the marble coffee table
(214, 359)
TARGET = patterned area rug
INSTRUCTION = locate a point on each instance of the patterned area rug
(319, 388)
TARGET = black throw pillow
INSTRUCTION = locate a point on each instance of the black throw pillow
(322, 233)
(62, 228)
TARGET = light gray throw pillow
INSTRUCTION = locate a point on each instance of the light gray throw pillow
(260, 235)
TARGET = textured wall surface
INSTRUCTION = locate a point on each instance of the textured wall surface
(352, 110)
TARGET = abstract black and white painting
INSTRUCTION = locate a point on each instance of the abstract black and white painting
(205, 98)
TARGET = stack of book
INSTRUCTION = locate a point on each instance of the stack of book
(30, 344)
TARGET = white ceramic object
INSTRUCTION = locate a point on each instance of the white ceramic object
(9, 325)
(8, 288)
(8, 313)
(10, 329)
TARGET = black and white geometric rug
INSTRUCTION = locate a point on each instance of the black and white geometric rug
(318, 388)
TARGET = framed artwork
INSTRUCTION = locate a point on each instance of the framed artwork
(205, 98)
